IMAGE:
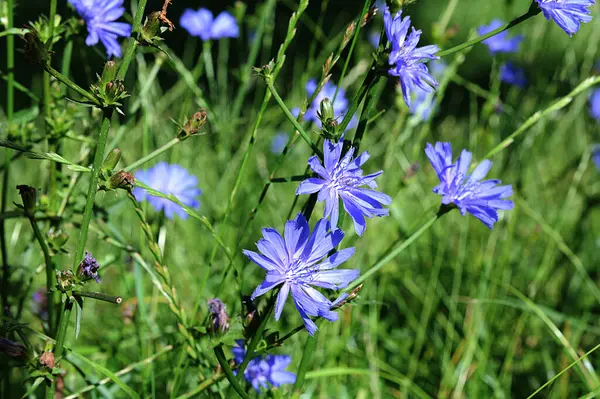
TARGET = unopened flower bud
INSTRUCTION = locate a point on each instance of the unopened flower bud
(218, 318)
(194, 125)
(326, 110)
(65, 280)
(151, 28)
(47, 359)
(111, 160)
(35, 51)
(123, 180)
(12, 349)
(29, 198)
(110, 72)
(88, 268)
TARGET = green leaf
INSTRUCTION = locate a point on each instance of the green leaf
(78, 314)
(34, 386)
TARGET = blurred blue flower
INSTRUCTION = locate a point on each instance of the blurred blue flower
(340, 105)
(500, 43)
(595, 104)
(424, 104)
(264, 370)
(99, 17)
(568, 14)
(291, 262)
(482, 199)
(406, 60)
(204, 25)
(279, 141)
(512, 74)
(374, 37)
(168, 179)
(596, 156)
(342, 178)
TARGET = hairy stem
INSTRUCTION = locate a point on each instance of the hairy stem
(49, 271)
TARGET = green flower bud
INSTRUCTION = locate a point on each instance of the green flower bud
(111, 160)
(109, 73)
(193, 125)
(65, 280)
(326, 113)
(29, 198)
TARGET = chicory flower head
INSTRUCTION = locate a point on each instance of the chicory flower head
(405, 59)
(482, 199)
(204, 25)
(297, 261)
(264, 370)
(568, 14)
(168, 179)
(88, 267)
(499, 43)
(342, 177)
(595, 104)
(512, 74)
(100, 17)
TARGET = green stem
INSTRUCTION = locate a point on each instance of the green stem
(49, 271)
(51, 20)
(292, 119)
(10, 64)
(257, 337)
(309, 349)
(72, 85)
(133, 43)
(393, 253)
(290, 179)
(99, 296)
(208, 67)
(93, 187)
(152, 155)
(228, 373)
(532, 12)
(62, 329)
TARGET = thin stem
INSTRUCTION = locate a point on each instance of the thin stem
(152, 155)
(212, 380)
(53, 185)
(532, 12)
(228, 373)
(289, 179)
(257, 336)
(49, 271)
(208, 67)
(93, 187)
(10, 64)
(292, 119)
(99, 296)
(133, 43)
(393, 253)
(62, 328)
(309, 349)
(72, 85)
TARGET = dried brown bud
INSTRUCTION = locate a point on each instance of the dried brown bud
(29, 197)
(194, 125)
(348, 35)
(368, 16)
(47, 359)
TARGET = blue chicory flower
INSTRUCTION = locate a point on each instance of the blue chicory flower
(595, 104)
(204, 25)
(295, 262)
(169, 179)
(342, 177)
(278, 143)
(596, 156)
(264, 370)
(88, 267)
(500, 43)
(100, 17)
(568, 14)
(406, 60)
(512, 74)
(481, 199)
